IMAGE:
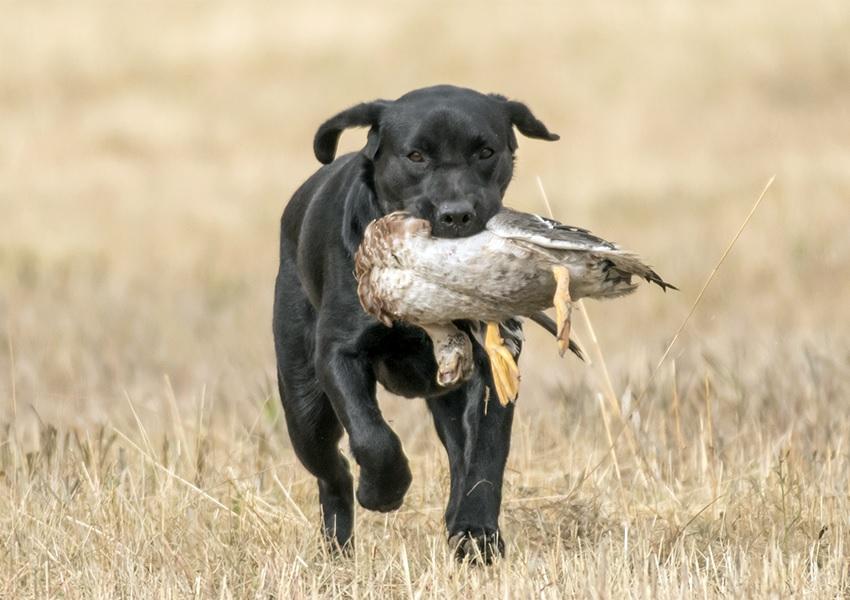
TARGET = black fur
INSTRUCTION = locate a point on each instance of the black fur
(444, 154)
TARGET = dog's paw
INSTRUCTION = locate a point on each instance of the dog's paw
(477, 547)
(337, 518)
(454, 360)
(337, 548)
(383, 490)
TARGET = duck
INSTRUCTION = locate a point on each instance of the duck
(519, 265)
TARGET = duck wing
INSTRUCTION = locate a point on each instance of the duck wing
(546, 233)
(552, 238)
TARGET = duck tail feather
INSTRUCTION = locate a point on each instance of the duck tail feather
(547, 323)
(632, 264)
(655, 278)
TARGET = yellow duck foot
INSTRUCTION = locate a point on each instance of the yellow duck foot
(563, 306)
(502, 364)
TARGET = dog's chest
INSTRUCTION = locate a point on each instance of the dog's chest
(403, 362)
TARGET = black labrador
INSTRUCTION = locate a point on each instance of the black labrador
(445, 154)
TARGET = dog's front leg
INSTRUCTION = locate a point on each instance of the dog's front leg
(348, 380)
(474, 530)
(476, 432)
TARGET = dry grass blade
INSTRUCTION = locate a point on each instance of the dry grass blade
(172, 474)
(142, 431)
(679, 531)
(690, 314)
(608, 435)
(708, 281)
(605, 376)
(289, 499)
(177, 420)
(12, 374)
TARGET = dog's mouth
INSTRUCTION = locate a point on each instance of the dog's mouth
(454, 218)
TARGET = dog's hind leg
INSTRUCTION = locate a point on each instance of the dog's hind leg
(313, 426)
(315, 432)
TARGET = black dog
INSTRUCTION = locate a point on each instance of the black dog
(444, 154)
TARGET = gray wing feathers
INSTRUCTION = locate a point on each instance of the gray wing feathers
(547, 234)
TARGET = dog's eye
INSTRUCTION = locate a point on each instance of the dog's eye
(416, 157)
(485, 153)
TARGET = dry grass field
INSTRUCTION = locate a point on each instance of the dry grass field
(146, 153)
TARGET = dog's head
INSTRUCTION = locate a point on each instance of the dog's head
(442, 153)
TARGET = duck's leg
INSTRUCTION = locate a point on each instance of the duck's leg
(502, 364)
(563, 306)
(452, 351)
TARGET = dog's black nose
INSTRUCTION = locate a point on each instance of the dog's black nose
(456, 219)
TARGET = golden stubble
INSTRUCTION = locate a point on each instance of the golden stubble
(146, 152)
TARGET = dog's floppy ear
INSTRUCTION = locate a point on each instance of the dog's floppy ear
(523, 119)
(366, 114)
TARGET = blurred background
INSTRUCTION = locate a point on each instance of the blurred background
(148, 149)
